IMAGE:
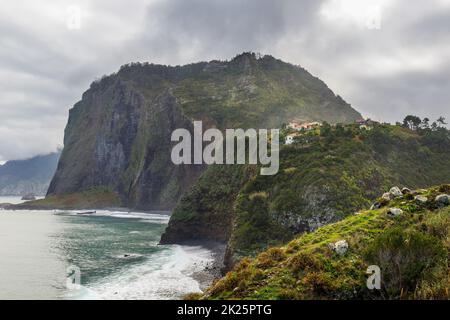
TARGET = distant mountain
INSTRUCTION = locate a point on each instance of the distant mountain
(20, 177)
(118, 135)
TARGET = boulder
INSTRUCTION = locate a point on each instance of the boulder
(406, 191)
(421, 199)
(387, 196)
(339, 247)
(394, 212)
(375, 206)
(396, 192)
(442, 200)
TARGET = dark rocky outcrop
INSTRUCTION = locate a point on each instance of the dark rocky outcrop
(116, 138)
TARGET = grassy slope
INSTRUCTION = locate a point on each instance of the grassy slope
(412, 251)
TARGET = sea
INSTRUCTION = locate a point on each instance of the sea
(53, 254)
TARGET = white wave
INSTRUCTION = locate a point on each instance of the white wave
(167, 275)
(155, 217)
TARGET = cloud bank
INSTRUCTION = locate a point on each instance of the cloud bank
(387, 58)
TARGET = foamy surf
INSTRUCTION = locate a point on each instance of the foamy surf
(167, 274)
(153, 217)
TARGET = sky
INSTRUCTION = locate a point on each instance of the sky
(387, 58)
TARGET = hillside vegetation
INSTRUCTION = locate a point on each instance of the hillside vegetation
(412, 250)
(322, 179)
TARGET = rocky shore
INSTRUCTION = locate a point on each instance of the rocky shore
(210, 271)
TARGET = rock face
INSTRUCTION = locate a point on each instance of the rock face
(128, 148)
(31, 176)
(118, 135)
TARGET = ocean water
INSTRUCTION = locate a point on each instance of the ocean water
(117, 254)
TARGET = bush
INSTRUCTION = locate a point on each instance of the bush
(303, 261)
(405, 258)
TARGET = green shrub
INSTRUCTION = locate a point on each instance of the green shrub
(405, 258)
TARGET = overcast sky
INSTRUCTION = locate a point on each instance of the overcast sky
(388, 58)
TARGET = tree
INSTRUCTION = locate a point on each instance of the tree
(441, 121)
(412, 122)
(434, 126)
(325, 130)
(426, 123)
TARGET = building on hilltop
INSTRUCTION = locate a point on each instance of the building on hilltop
(302, 125)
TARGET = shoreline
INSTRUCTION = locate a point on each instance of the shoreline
(204, 274)
(209, 271)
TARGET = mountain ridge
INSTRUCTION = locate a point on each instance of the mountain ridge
(118, 135)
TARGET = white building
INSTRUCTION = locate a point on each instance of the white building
(306, 126)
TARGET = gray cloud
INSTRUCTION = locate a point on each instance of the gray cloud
(44, 67)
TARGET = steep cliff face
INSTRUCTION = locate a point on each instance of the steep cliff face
(31, 176)
(118, 135)
(119, 139)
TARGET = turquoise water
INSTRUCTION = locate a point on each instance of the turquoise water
(116, 252)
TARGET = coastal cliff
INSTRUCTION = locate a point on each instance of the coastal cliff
(118, 136)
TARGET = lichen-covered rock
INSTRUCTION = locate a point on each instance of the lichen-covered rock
(396, 192)
(443, 200)
(394, 212)
(340, 247)
(387, 196)
(406, 191)
(421, 199)
(375, 205)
